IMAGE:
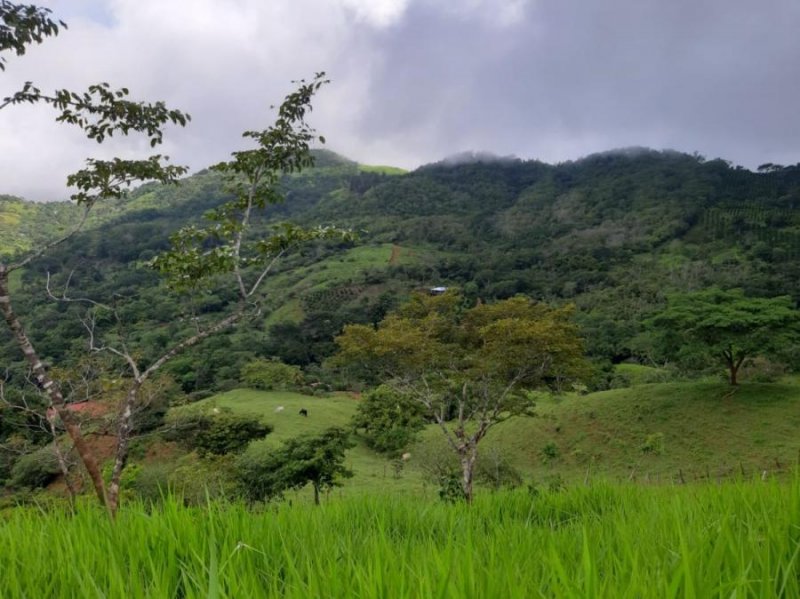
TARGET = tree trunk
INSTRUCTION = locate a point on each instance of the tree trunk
(62, 462)
(316, 493)
(124, 431)
(733, 371)
(733, 366)
(467, 474)
(49, 386)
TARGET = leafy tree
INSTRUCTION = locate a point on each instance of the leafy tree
(271, 374)
(727, 326)
(215, 432)
(468, 369)
(223, 257)
(266, 474)
(388, 419)
(99, 112)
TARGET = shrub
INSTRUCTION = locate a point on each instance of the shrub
(198, 395)
(388, 420)
(217, 432)
(267, 473)
(494, 470)
(194, 481)
(627, 375)
(155, 398)
(761, 370)
(550, 451)
(152, 482)
(271, 375)
(35, 470)
(654, 443)
(450, 487)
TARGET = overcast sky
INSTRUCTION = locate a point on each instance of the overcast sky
(416, 80)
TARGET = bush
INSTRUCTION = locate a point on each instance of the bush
(450, 488)
(271, 375)
(35, 470)
(654, 444)
(217, 432)
(628, 375)
(494, 470)
(761, 370)
(193, 480)
(266, 473)
(199, 395)
(550, 451)
(152, 481)
(389, 421)
(155, 398)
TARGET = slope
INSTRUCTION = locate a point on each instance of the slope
(659, 434)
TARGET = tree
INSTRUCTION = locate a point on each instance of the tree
(389, 420)
(271, 374)
(100, 112)
(225, 255)
(726, 326)
(315, 459)
(217, 431)
(469, 369)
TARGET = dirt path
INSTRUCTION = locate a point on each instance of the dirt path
(395, 257)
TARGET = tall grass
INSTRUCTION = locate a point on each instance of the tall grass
(733, 540)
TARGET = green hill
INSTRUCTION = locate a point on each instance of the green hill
(659, 432)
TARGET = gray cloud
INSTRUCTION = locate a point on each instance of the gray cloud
(416, 80)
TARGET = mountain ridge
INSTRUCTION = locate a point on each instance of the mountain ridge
(613, 233)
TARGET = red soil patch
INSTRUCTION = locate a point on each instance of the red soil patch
(103, 446)
(161, 451)
(90, 409)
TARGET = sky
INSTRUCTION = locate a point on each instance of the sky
(414, 81)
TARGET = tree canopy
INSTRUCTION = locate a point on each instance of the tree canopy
(727, 326)
(316, 459)
(468, 367)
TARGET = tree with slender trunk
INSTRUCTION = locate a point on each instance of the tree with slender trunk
(714, 326)
(100, 112)
(470, 369)
(226, 254)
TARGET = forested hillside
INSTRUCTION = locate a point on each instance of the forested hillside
(612, 232)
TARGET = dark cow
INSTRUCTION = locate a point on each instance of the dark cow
(303, 412)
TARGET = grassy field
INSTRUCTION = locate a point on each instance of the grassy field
(348, 270)
(660, 433)
(598, 541)
(372, 472)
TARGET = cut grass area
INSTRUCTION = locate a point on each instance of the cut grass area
(323, 412)
(639, 374)
(653, 433)
(598, 542)
(372, 471)
(344, 269)
(382, 169)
